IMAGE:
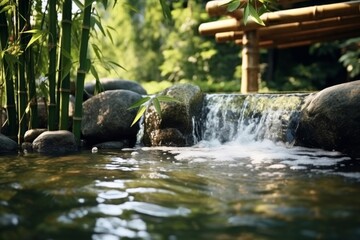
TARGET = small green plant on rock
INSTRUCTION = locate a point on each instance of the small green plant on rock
(146, 102)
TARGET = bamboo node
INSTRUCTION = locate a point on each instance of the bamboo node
(86, 27)
(64, 90)
(9, 105)
(52, 105)
(66, 21)
(77, 118)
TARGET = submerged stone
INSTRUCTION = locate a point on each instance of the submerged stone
(55, 142)
(7, 145)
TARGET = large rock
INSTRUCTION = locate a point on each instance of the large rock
(175, 126)
(331, 119)
(106, 117)
(55, 142)
(7, 145)
(113, 84)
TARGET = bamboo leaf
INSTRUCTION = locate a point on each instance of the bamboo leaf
(138, 115)
(110, 36)
(97, 51)
(118, 65)
(255, 15)
(246, 13)
(37, 34)
(94, 72)
(79, 4)
(156, 104)
(98, 24)
(233, 5)
(164, 98)
(139, 103)
(166, 10)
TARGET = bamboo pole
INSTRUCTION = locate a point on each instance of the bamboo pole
(9, 84)
(22, 96)
(81, 72)
(285, 16)
(219, 7)
(320, 36)
(52, 65)
(30, 74)
(64, 76)
(291, 28)
(250, 62)
(307, 39)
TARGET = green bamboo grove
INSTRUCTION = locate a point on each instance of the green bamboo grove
(39, 50)
(35, 46)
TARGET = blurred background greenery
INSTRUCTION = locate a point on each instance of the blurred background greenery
(158, 53)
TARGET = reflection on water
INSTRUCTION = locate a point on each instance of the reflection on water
(210, 191)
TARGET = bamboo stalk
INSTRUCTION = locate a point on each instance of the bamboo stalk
(250, 62)
(9, 85)
(82, 70)
(30, 74)
(64, 77)
(285, 16)
(22, 96)
(52, 65)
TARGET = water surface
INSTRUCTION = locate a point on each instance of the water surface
(259, 190)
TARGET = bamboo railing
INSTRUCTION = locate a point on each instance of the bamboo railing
(284, 28)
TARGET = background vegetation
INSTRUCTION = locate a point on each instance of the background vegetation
(46, 45)
(153, 50)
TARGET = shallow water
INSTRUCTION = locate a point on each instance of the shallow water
(258, 190)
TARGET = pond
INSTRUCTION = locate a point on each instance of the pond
(243, 179)
(259, 190)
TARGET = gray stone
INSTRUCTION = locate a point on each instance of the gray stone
(31, 134)
(55, 142)
(331, 119)
(114, 84)
(7, 145)
(175, 127)
(113, 145)
(106, 117)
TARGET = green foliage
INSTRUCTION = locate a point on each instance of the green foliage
(253, 9)
(145, 102)
(351, 57)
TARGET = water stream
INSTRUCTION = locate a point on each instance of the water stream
(244, 179)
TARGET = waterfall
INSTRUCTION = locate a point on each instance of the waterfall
(255, 117)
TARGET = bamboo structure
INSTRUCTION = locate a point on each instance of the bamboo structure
(284, 28)
(250, 65)
(281, 17)
(337, 22)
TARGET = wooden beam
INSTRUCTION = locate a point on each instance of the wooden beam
(292, 28)
(285, 16)
(307, 39)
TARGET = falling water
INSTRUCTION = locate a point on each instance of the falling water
(243, 118)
